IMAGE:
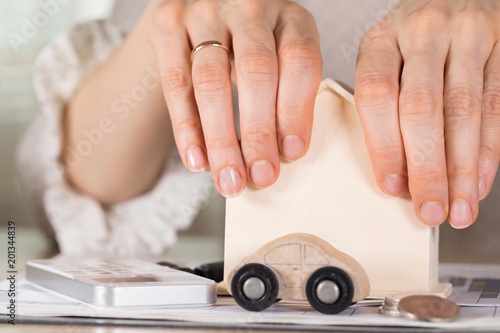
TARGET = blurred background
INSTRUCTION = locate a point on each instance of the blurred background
(19, 45)
(18, 104)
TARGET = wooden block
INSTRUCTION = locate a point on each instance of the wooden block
(331, 193)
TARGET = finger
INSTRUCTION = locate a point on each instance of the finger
(172, 48)
(257, 79)
(421, 120)
(463, 91)
(489, 153)
(299, 66)
(377, 94)
(212, 86)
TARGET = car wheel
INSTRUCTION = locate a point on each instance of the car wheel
(329, 290)
(255, 287)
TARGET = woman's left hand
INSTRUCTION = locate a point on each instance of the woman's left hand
(428, 95)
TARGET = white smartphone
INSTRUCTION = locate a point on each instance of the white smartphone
(121, 282)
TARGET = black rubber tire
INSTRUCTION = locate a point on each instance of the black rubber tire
(339, 277)
(266, 275)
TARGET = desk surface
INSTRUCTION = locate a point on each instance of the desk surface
(110, 328)
(117, 329)
(190, 247)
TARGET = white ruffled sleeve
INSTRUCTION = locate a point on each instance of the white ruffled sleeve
(143, 226)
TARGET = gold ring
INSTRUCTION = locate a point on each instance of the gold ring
(210, 43)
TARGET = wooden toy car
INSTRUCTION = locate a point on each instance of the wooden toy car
(299, 267)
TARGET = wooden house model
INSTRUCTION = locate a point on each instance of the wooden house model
(331, 193)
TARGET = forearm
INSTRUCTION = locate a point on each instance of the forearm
(117, 128)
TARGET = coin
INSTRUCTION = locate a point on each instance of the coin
(391, 301)
(428, 308)
(389, 307)
(388, 312)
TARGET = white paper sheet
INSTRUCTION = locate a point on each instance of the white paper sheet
(473, 285)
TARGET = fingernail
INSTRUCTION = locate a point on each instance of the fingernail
(460, 214)
(482, 187)
(230, 182)
(395, 184)
(432, 213)
(262, 173)
(196, 158)
(292, 147)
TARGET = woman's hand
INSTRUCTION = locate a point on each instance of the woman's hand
(277, 64)
(428, 95)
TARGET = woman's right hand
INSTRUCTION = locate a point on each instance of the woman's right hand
(277, 67)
